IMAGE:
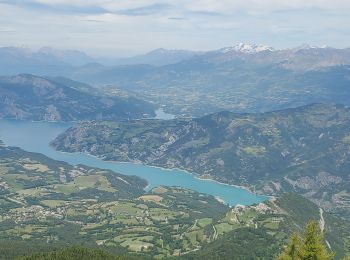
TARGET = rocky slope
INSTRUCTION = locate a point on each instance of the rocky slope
(38, 98)
(306, 149)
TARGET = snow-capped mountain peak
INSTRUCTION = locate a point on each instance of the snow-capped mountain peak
(247, 48)
(310, 47)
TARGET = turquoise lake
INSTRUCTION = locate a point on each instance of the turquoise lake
(36, 136)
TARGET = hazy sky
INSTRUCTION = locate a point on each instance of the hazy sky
(123, 28)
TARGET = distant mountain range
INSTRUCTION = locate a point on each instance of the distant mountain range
(305, 150)
(45, 61)
(304, 57)
(53, 62)
(158, 57)
(15, 60)
(242, 78)
(37, 98)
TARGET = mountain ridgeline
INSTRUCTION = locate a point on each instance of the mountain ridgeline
(243, 78)
(240, 79)
(305, 149)
(54, 62)
(36, 98)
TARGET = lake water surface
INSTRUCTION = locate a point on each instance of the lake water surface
(36, 136)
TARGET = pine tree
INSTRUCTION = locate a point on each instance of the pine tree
(314, 247)
(309, 247)
(292, 251)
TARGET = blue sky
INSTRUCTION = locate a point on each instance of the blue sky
(124, 28)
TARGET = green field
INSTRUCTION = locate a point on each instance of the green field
(96, 208)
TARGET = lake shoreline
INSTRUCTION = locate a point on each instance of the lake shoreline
(39, 135)
(137, 162)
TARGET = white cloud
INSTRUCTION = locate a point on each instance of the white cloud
(141, 25)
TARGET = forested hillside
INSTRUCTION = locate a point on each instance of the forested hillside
(305, 150)
(29, 97)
